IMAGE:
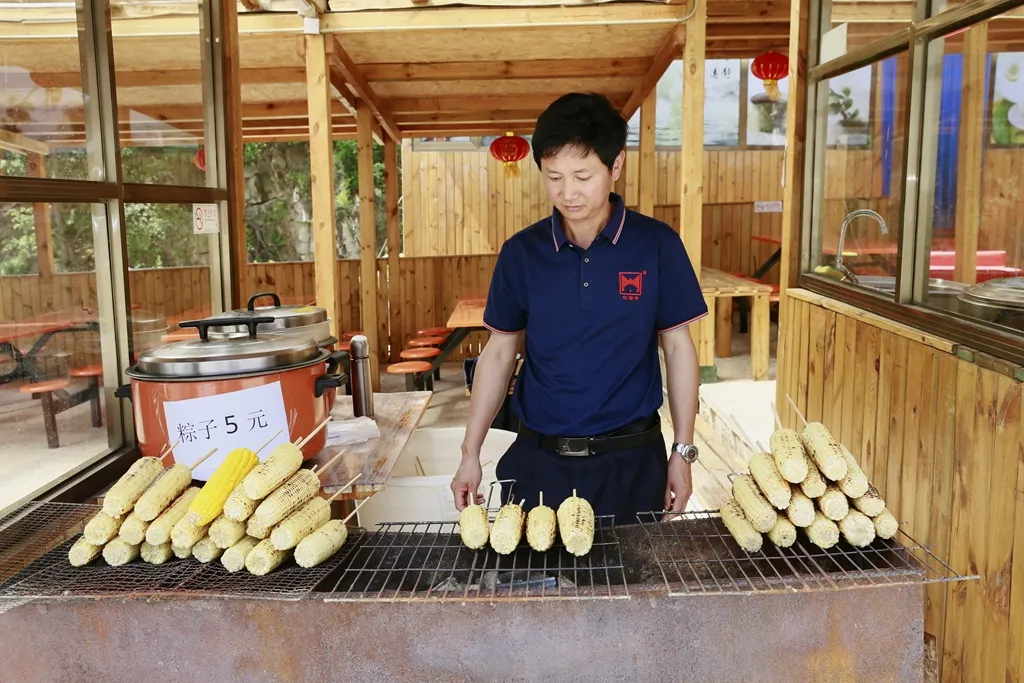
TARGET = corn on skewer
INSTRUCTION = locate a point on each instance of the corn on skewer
(185, 534)
(290, 496)
(102, 527)
(822, 532)
(182, 552)
(159, 531)
(83, 552)
(801, 510)
(834, 504)
(824, 450)
(474, 526)
(739, 526)
(284, 461)
(783, 534)
(885, 524)
(575, 518)
(507, 530)
(325, 541)
(857, 528)
(252, 528)
(756, 508)
(239, 507)
(855, 483)
(117, 552)
(168, 486)
(155, 554)
(788, 452)
(133, 529)
(233, 558)
(225, 532)
(313, 514)
(764, 471)
(208, 505)
(871, 503)
(814, 484)
(541, 526)
(132, 484)
(264, 558)
(206, 551)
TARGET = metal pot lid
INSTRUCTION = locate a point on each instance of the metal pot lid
(207, 357)
(284, 316)
(1006, 292)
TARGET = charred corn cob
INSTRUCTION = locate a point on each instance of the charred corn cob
(205, 550)
(474, 526)
(756, 508)
(833, 504)
(871, 503)
(132, 484)
(168, 486)
(855, 483)
(185, 534)
(813, 484)
(739, 526)
(264, 558)
(800, 510)
(857, 528)
(117, 552)
(788, 452)
(239, 507)
(825, 451)
(159, 531)
(311, 516)
(822, 532)
(155, 554)
(210, 502)
(321, 544)
(182, 552)
(766, 473)
(133, 529)
(252, 528)
(287, 498)
(507, 530)
(885, 524)
(575, 518)
(225, 532)
(233, 558)
(283, 462)
(82, 552)
(541, 527)
(102, 527)
(783, 534)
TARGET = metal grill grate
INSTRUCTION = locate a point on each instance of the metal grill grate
(427, 561)
(34, 529)
(697, 555)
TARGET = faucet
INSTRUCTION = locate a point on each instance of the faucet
(838, 264)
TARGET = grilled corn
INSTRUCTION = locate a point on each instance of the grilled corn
(885, 524)
(825, 451)
(788, 452)
(283, 462)
(208, 505)
(185, 534)
(132, 484)
(82, 552)
(474, 526)
(205, 550)
(739, 526)
(783, 534)
(766, 473)
(159, 531)
(155, 554)
(264, 558)
(287, 498)
(871, 503)
(239, 507)
(800, 510)
(225, 532)
(233, 558)
(133, 529)
(321, 544)
(508, 528)
(311, 516)
(834, 504)
(814, 484)
(117, 552)
(182, 552)
(252, 528)
(541, 527)
(857, 529)
(822, 532)
(756, 508)
(168, 486)
(855, 483)
(575, 518)
(102, 527)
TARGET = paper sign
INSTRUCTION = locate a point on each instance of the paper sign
(238, 419)
(767, 207)
(833, 44)
(205, 219)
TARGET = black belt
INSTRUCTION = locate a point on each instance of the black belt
(636, 434)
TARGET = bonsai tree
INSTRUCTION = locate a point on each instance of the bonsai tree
(841, 103)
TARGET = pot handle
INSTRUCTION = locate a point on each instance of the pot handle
(205, 324)
(123, 391)
(333, 379)
(272, 295)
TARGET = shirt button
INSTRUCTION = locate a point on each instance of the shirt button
(586, 260)
(586, 284)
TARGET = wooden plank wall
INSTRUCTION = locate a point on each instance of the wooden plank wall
(941, 439)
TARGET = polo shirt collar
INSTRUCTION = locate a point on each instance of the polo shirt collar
(611, 231)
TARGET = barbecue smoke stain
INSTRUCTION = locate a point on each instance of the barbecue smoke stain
(834, 663)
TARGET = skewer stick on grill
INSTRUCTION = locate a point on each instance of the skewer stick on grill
(317, 470)
(201, 460)
(775, 414)
(166, 450)
(743, 432)
(257, 451)
(167, 487)
(325, 541)
(309, 436)
(342, 490)
(798, 413)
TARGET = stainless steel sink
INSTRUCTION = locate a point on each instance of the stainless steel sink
(941, 293)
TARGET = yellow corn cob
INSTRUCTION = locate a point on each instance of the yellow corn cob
(788, 452)
(857, 529)
(239, 507)
(800, 510)
(576, 525)
(541, 528)
(885, 524)
(834, 504)
(824, 450)
(871, 503)
(171, 483)
(474, 526)
(102, 527)
(287, 498)
(225, 532)
(132, 484)
(83, 552)
(739, 526)
(233, 558)
(283, 462)
(117, 552)
(182, 552)
(206, 551)
(311, 516)
(133, 529)
(210, 501)
(185, 534)
(756, 508)
(264, 558)
(155, 554)
(766, 473)
(252, 528)
(321, 544)
(159, 531)
(507, 530)
(783, 534)
(855, 483)
(813, 484)
(822, 532)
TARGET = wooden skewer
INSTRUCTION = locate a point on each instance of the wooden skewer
(762, 448)
(329, 463)
(201, 460)
(342, 489)
(743, 432)
(522, 502)
(167, 450)
(269, 440)
(487, 463)
(798, 413)
(355, 509)
(313, 433)
(419, 467)
(541, 496)
(778, 422)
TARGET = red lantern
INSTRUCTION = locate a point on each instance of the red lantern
(771, 67)
(510, 149)
(200, 159)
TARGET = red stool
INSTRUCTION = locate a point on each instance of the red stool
(44, 391)
(426, 341)
(417, 374)
(434, 332)
(347, 336)
(93, 373)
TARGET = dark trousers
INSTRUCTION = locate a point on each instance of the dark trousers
(620, 483)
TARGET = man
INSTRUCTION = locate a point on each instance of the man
(594, 287)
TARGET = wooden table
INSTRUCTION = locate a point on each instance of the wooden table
(466, 318)
(42, 328)
(716, 327)
(776, 256)
(397, 415)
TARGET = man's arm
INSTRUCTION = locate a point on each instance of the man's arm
(683, 382)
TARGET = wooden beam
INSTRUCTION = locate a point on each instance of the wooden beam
(482, 116)
(391, 195)
(748, 32)
(321, 165)
(343, 68)
(167, 77)
(41, 219)
(692, 194)
(16, 142)
(238, 247)
(364, 5)
(744, 11)
(518, 69)
(972, 149)
(667, 54)
(793, 162)
(367, 237)
(456, 103)
(648, 171)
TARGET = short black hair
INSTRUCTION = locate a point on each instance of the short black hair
(585, 121)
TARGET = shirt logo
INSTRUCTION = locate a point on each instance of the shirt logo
(631, 285)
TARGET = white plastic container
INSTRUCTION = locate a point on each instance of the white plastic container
(409, 497)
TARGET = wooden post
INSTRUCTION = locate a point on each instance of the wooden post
(41, 219)
(391, 204)
(321, 165)
(367, 237)
(972, 150)
(793, 163)
(234, 164)
(648, 174)
(692, 196)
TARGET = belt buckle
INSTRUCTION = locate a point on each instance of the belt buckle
(575, 446)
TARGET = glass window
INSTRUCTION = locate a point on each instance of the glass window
(766, 119)
(866, 20)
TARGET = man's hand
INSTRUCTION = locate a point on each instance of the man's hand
(679, 486)
(467, 481)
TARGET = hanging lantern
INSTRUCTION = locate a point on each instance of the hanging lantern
(200, 159)
(510, 149)
(771, 67)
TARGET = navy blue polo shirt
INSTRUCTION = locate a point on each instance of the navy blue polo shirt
(592, 318)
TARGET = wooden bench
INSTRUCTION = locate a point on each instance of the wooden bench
(714, 332)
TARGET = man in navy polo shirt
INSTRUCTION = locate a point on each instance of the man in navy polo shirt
(594, 287)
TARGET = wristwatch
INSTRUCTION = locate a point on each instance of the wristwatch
(687, 451)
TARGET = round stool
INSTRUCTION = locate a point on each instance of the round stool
(426, 341)
(347, 336)
(434, 332)
(423, 353)
(44, 392)
(412, 368)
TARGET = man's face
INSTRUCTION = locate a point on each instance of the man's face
(578, 186)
